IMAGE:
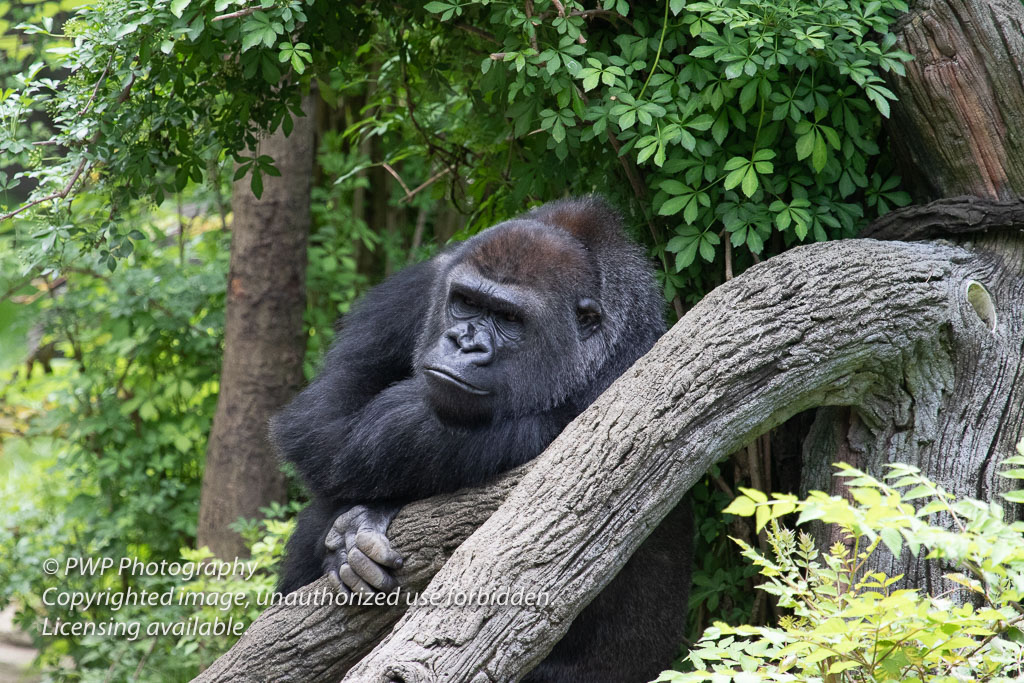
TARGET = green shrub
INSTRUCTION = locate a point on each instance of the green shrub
(850, 624)
(747, 120)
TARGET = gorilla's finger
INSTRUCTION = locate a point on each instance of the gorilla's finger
(370, 571)
(354, 582)
(335, 538)
(378, 548)
(332, 563)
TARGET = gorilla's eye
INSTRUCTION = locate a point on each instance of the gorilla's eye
(464, 306)
(511, 317)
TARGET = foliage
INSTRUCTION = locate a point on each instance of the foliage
(727, 125)
(722, 580)
(745, 119)
(166, 657)
(851, 624)
(333, 278)
(248, 596)
(152, 96)
(111, 457)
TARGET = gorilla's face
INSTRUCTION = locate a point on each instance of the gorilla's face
(506, 344)
(468, 368)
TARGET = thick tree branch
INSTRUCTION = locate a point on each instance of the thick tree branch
(948, 218)
(785, 336)
(808, 328)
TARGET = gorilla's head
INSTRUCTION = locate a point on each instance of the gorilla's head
(528, 315)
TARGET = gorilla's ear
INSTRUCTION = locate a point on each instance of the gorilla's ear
(588, 314)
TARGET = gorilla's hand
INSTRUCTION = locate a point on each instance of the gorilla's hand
(359, 552)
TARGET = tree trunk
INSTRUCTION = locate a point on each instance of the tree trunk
(959, 122)
(819, 325)
(263, 342)
(955, 408)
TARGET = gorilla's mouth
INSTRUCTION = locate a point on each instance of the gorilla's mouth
(448, 378)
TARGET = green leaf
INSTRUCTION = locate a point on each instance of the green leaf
(688, 142)
(805, 145)
(707, 250)
(734, 178)
(675, 187)
(893, 540)
(735, 163)
(820, 154)
(748, 96)
(754, 242)
(691, 211)
(844, 665)
(256, 183)
(250, 40)
(720, 128)
(741, 506)
(750, 182)
(178, 7)
(757, 496)
(702, 122)
(685, 257)
(674, 205)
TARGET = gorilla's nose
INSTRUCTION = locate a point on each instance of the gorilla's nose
(475, 342)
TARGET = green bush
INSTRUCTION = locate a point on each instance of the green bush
(110, 462)
(848, 623)
(747, 120)
(727, 122)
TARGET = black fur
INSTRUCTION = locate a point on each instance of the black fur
(377, 427)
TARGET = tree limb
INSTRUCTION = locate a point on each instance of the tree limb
(948, 218)
(321, 642)
(786, 336)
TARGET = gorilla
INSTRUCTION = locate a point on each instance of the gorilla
(465, 366)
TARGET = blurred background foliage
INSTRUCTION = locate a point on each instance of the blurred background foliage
(725, 130)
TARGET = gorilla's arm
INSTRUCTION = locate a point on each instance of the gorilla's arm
(373, 349)
(395, 449)
(361, 467)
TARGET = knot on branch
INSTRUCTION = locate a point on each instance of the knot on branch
(981, 301)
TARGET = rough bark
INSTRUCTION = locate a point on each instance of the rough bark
(959, 121)
(954, 408)
(819, 325)
(955, 404)
(954, 217)
(263, 342)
